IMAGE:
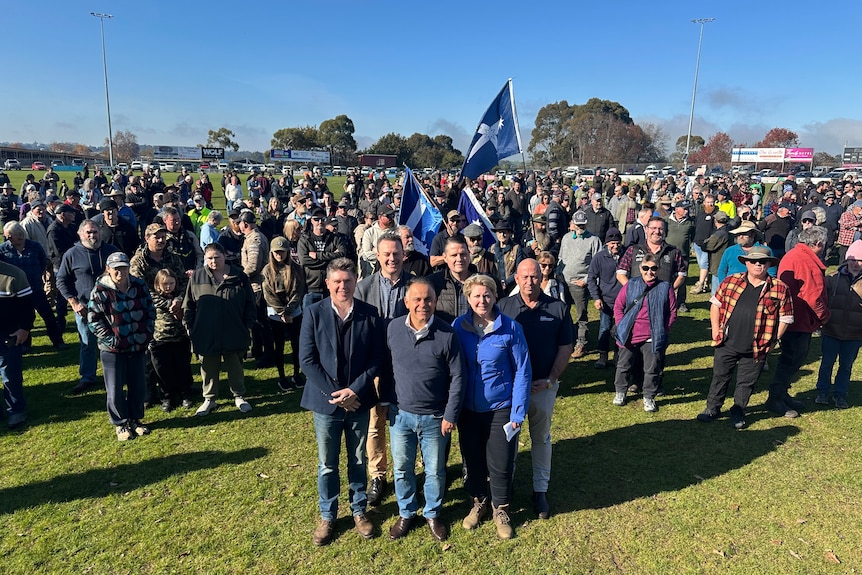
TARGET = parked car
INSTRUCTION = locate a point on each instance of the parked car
(12, 164)
(800, 175)
(169, 167)
(56, 163)
(38, 166)
(123, 166)
(668, 170)
(223, 166)
(137, 165)
(651, 170)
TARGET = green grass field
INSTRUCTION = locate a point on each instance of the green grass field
(632, 492)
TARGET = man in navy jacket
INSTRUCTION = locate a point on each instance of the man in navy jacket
(340, 351)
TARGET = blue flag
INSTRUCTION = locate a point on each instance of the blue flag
(418, 213)
(473, 213)
(497, 136)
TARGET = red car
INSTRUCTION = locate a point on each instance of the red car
(40, 166)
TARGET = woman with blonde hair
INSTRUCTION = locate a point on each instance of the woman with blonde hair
(283, 289)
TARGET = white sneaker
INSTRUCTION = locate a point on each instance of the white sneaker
(242, 404)
(619, 398)
(650, 406)
(205, 408)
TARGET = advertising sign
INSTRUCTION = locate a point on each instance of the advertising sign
(212, 153)
(804, 155)
(309, 156)
(176, 153)
(743, 155)
(761, 155)
(852, 158)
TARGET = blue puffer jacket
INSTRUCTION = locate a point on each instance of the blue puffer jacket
(498, 366)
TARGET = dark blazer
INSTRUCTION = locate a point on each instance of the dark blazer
(318, 355)
(368, 290)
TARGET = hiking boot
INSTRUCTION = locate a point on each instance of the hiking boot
(124, 433)
(650, 406)
(502, 521)
(579, 351)
(737, 416)
(140, 428)
(602, 361)
(363, 526)
(696, 288)
(323, 532)
(619, 398)
(242, 404)
(205, 408)
(840, 402)
(708, 415)
(822, 398)
(479, 511)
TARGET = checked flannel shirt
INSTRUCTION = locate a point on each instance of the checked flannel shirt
(775, 305)
(847, 228)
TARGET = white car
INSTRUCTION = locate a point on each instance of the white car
(12, 164)
(651, 170)
(123, 166)
(169, 167)
(137, 165)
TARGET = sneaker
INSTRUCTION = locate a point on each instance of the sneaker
(242, 404)
(16, 420)
(793, 403)
(822, 398)
(682, 308)
(502, 521)
(696, 288)
(140, 428)
(298, 380)
(284, 384)
(619, 398)
(649, 405)
(659, 391)
(205, 408)
(579, 351)
(477, 513)
(737, 416)
(840, 402)
(188, 404)
(167, 406)
(323, 532)
(708, 415)
(778, 407)
(124, 433)
(634, 388)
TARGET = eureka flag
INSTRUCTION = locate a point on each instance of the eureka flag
(497, 136)
(418, 213)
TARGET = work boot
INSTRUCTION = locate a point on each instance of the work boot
(323, 532)
(696, 288)
(502, 521)
(479, 511)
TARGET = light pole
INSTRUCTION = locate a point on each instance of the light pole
(101, 18)
(700, 21)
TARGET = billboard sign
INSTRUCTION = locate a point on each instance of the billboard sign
(310, 156)
(176, 153)
(852, 158)
(212, 153)
(804, 155)
(743, 155)
(761, 155)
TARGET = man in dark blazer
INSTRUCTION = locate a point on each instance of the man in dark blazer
(340, 350)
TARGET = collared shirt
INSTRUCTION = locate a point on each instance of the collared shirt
(773, 307)
(547, 326)
(388, 297)
(423, 331)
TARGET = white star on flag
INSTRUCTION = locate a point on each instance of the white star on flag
(489, 134)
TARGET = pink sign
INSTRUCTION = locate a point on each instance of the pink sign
(799, 154)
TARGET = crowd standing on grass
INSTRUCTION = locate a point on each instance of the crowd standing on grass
(470, 338)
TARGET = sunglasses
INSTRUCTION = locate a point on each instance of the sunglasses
(807, 221)
(317, 219)
(649, 268)
(755, 262)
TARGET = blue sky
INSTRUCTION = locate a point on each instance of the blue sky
(177, 69)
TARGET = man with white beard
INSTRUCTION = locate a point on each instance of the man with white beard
(82, 264)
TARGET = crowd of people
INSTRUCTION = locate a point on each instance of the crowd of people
(386, 340)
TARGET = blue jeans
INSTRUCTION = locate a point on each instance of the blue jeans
(702, 257)
(124, 370)
(408, 431)
(310, 298)
(606, 323)
(13, 378)
(845, 352)
(329, 429)
(89, 351)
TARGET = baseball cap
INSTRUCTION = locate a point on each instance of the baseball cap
(153, 229)
(580, 218)
(279, 244)
(453, 214)
(117, 260)
(596, 197)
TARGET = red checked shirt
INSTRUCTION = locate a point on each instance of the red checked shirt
(774, 305)
(847, 227)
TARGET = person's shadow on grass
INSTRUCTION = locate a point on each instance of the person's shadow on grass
(620, 465)
(96, 483)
